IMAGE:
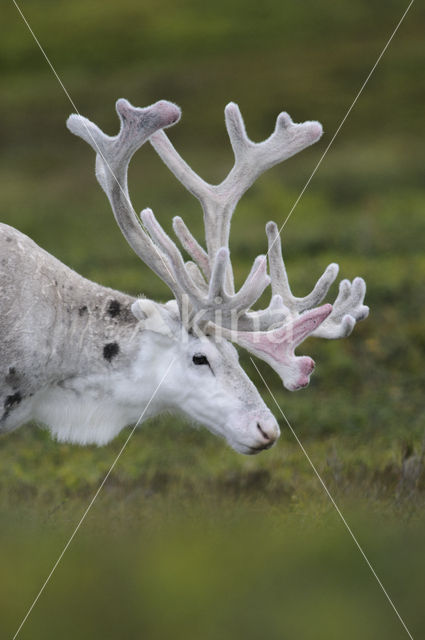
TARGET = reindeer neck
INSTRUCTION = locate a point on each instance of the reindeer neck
(70, 345)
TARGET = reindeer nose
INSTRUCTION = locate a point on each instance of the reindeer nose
(269, 433)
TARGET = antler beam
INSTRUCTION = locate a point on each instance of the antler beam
(155, 248)
(251, 160)
(207, 282)
(113, 155)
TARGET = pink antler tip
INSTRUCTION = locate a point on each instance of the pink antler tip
(147, 215)
(315, 131)
(305, 366)
(326, 310)
(122, 104)
(168, 111)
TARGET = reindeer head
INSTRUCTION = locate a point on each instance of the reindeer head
(207, 313)
(205, 382)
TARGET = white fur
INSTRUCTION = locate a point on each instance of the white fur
(55, 326)
(94, 408)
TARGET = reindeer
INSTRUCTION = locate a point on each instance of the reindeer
(86, 360)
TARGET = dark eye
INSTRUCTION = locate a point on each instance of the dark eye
(199, 358)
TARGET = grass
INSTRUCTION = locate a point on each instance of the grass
(187, 538)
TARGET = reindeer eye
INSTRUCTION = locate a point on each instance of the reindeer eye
(199, 358)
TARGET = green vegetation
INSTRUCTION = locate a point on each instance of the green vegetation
(188, 539)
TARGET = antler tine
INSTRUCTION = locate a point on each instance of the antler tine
(348, 307)
(254, 285)
(186, 284)
(280, 282)
(205, 193)
(192, 246)
(207, 196)
(168, 154)
(196, 275)
(136, 126)
(251, 160)
(216, 291)
(113, 154)
(208, 300)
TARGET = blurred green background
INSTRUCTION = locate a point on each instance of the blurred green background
(189, 539)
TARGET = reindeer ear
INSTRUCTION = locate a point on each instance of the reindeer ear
(154, 316)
